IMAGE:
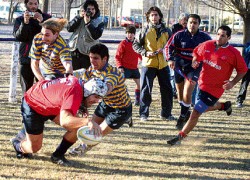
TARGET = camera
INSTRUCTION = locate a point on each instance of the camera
(88, 13)
(31, 14)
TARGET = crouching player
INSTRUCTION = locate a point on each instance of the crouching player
(59, 101)
(115, 109)
(219, 60)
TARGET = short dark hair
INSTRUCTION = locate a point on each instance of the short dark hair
(26, 1)
(131, 29)
(92, 3)
(196, 16)
(227, 29)
(100, 49)
(154, 8)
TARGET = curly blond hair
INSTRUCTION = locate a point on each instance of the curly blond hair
(55, 25)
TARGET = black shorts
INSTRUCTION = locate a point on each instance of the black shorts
(114, 117)
(186, 68)
(33, 122)
(207, 98)
(131, 73)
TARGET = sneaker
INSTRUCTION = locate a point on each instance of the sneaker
(239, 105)
(228, 107)
(169, 118)
(16, 142)
(175, 141)
(60, 160)
(129, 122)
(180, 123)
(143, 118)
(80, 150)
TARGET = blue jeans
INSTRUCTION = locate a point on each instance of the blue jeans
(146, 82)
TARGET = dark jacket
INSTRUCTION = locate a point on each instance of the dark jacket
(25, 34)
(246, 54)
(177, 27)
(182, 44)
(85, 35)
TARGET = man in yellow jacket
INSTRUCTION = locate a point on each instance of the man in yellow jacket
(150, 43)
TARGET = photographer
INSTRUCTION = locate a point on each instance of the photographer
(87, 28)
(25, 28)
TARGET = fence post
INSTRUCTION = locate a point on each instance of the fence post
(13, 72)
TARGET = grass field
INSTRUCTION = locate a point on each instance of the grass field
(218, 148)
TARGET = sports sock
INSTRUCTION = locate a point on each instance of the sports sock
(182, 134)
(62, 148)
(222, 107)
(184, 109)
(137, 95)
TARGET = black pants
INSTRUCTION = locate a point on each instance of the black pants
(79, 60)
(26, 77)
(243, 87)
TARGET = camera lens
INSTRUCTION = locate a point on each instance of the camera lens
(88, 13)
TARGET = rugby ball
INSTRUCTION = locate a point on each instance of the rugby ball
(86, 136)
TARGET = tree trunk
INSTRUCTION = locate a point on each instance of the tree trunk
(68, 4)
(121, 9)
(116, 8)
(246, 28)
(45, 6)
(110, 14)
(11, 7)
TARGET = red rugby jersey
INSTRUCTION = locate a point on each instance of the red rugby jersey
(50, 97)
(218, 66)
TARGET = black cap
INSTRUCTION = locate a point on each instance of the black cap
(131, 29)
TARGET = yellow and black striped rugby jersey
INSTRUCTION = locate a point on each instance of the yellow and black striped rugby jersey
(51, 55)
(118, 97)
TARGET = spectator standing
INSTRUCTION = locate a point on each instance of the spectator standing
(245, 80)
(87, 28)
(179, 54)
(115, 109)
(127, 61)
(51, 49)
(25, 28)
(150, 44)
(182, 24)
(219, 60)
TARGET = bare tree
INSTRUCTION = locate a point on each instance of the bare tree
(165, 5)
(45, 6)
(68, 4)
(121, 9)
(13, 7)
(241, 7)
